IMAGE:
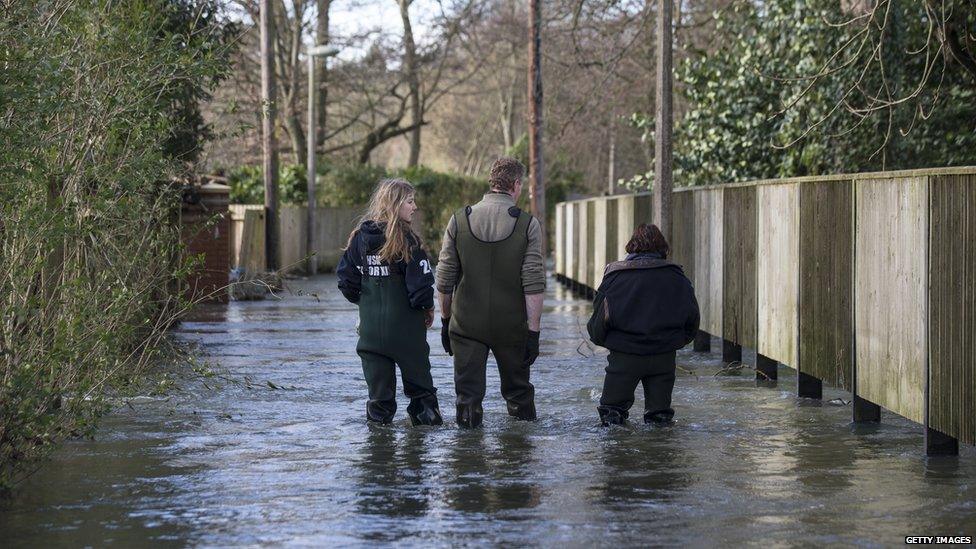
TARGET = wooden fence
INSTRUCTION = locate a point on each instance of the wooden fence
(247, 236)
(865, 281)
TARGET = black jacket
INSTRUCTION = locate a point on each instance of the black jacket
(362, 254)
(645, 306)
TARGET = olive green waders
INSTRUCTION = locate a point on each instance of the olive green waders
(391, 332)
(488, 314)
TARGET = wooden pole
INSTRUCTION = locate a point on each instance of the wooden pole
(322, 75)
(313, 92)
(268, 143)
(537, 188)
(612, 161)
(663, 183)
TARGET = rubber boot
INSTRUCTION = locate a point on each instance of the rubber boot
(469, 416)
(611, 416)
(524, 412)
(659, 417)
(424, 411)
(380, 414)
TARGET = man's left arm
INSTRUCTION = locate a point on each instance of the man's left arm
(533, 309)
(534, 286)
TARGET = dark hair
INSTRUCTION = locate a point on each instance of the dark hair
(648, 238)
(505, 173)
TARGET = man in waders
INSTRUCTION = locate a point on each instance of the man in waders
(491, 279)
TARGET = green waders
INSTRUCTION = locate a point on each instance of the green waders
(391, 332)
(488, 314)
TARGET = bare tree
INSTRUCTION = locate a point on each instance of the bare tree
(413, 81)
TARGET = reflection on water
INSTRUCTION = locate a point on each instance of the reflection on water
(489, 478)
(293, 462)
(643, 469)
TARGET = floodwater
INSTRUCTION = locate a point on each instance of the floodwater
(276, 451)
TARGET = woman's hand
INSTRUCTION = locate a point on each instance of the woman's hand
(429, 317)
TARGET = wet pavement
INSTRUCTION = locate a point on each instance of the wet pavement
(275, 451)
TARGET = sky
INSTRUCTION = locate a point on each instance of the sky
(352, 17)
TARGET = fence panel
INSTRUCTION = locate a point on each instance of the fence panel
(252, 251)
(890, 281)
(709, 238)
(583, 242)
(739, 266)
(952, 302)
(572, 240)
(778, 265)
(826, 281)
(625, 222)
(589, 271)
(292, 221)
(682, 233)
(605, 236)
(560, 239)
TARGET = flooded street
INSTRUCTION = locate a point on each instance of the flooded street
(279, 453)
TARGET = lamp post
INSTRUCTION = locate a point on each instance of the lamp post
(313, 52)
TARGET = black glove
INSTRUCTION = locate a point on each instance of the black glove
(531, 348)
(446, 336)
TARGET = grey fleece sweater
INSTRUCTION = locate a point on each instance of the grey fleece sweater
(491, 222)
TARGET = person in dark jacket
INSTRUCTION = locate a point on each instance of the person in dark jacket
(387, 273)
(644, 311)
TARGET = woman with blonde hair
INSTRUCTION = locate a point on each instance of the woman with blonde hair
(387, 273)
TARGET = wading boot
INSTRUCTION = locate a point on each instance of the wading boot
(611, 416)
(378, 415)
(469, 416)
(659, 417)
(522, 412)
(424, 411)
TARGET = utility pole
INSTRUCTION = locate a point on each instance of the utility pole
(310, 169)
(268, 143)
(322, 38)
(612, 161)
(663, 123)
(313, 95)
(537, 186)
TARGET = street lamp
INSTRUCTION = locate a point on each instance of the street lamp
(313, 52)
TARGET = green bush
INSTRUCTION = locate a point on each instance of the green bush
(439, 195)
(90, 251)
(247, 184)
(348, 184)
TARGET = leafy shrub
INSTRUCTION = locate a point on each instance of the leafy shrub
(247, 184)
(439, 195)
(348, 184)
(90, 251)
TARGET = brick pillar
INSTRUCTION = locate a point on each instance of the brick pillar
(205, 225)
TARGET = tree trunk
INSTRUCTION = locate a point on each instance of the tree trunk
(663, 122)
(296, 134)
(612, 160)
(322, 71)
(537, 188)
(293, 122)
(413, 81)
(268, 143)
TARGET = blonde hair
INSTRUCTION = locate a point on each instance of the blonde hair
(384, 208)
